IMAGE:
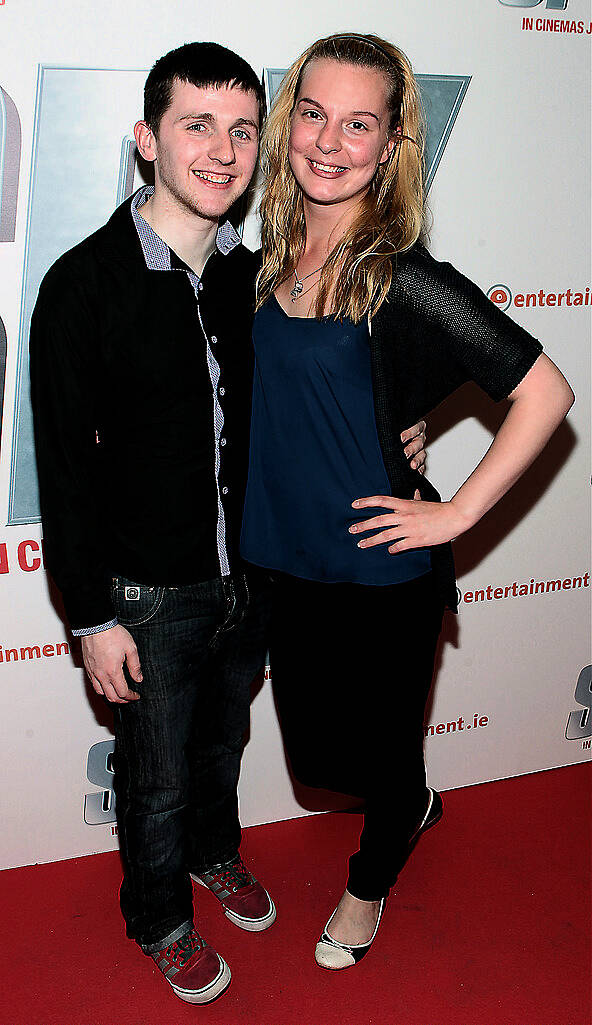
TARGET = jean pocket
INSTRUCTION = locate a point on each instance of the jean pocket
(136, 603)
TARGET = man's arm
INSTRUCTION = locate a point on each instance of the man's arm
(63, 361)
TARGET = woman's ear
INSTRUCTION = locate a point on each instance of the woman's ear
(389, 147)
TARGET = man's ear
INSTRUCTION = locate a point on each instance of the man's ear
(145, 141)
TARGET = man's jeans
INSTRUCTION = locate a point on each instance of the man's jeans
(178, 749)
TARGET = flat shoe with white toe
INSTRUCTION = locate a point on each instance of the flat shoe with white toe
(330, 953)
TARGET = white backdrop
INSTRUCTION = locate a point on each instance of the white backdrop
(510, 202)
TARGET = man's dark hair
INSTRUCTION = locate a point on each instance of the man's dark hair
(202, 65)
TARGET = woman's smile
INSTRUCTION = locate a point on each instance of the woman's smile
(326, 170)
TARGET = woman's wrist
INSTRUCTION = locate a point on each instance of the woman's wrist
(466, 515)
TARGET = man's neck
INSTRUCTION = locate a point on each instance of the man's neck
(193, 238)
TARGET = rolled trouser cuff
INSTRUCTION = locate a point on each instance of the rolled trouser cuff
(181, 930)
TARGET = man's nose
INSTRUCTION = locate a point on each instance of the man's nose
(222, 149)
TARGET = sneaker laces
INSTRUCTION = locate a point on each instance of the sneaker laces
(235, 875)
(182, 949)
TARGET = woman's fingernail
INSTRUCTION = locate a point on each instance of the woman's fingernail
(353, 529)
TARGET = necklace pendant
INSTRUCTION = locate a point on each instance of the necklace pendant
(296, 291)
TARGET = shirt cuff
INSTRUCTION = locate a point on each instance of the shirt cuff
(86, 631)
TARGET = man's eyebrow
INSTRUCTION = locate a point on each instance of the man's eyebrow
(246, 121)
(196, 117)
(354, 113)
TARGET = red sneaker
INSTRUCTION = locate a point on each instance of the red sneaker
(245, 901)
(199, 973)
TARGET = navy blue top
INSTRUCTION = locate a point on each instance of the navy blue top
(314, 449)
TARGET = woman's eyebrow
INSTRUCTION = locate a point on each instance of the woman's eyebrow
(353, 113)
(365, 113)
(307, 99)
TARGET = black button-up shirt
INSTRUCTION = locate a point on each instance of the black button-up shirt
(141, 384)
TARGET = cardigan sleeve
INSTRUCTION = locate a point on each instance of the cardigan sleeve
(486, 345)
(63, 372)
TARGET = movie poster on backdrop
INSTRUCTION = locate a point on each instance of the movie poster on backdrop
(513, 689)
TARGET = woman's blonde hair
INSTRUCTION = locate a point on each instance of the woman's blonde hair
(358, 272)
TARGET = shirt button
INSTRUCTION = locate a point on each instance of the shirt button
(222, 391)
(222, 442)
(200, 286)
(214, 339)
(224, 491)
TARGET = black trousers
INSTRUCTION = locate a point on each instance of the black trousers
(352, 667)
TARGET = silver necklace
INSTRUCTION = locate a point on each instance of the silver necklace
(299, 282)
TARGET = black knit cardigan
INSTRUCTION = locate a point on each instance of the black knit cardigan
(435, 331)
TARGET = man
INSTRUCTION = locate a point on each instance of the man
(141, 369)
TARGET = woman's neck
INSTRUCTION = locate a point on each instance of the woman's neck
(326, 225)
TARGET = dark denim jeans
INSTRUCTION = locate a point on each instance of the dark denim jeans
(178, 749)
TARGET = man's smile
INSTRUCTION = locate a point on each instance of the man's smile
(212, 178)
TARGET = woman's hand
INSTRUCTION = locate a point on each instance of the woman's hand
(409, 524)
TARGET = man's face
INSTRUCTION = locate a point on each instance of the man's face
(206, 147)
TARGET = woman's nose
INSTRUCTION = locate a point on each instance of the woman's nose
(328, 139)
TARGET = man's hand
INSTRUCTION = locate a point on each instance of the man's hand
(104, 656)
(414, 439)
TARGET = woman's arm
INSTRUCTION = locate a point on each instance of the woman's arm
(538, 405)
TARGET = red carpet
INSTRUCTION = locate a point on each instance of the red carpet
(489, 926)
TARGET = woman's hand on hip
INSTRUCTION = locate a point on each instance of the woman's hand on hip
(408, 523)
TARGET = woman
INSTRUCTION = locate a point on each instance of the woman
(359, 331)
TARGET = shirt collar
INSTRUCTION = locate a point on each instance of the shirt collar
(157, 253)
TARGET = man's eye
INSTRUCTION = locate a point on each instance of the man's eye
(240, 133)
(358, 126)
(198, 126)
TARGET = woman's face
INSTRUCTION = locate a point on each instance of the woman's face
(339, 131)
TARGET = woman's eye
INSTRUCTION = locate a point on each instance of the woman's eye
(358, 126)
(312, 114)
